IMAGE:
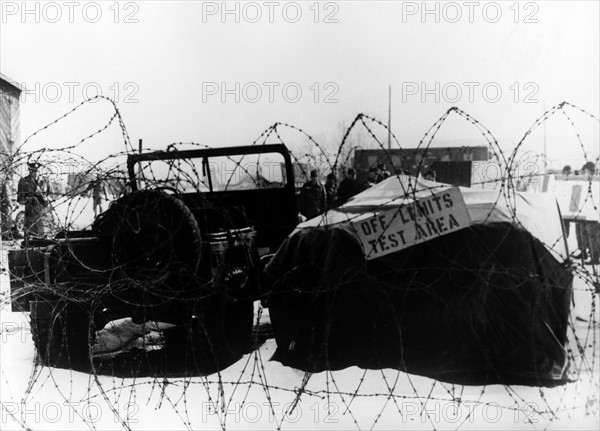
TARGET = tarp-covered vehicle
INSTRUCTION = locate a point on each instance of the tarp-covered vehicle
(165, 279)
(457, 284)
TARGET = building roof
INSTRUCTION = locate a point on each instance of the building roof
(11, 82)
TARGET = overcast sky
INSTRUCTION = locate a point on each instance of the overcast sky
(175, 69)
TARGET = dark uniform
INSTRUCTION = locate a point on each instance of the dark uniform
(30, 194)
(312, 198)
(348, 188)
(330, 191)
(382, 174)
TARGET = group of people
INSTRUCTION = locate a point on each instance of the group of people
(316, 198)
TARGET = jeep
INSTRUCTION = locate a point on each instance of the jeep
(184, 245)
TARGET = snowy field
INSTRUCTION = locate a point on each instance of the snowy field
(256, 393)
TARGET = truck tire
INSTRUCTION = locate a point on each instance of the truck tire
(60, 332)
(153, 234)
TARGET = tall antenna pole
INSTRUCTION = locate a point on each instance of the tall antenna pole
(545, 146)
(390, 117)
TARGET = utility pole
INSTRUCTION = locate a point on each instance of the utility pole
(390, 117)
(545, 147)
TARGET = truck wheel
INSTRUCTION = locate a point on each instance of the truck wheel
(60, 334)
(153, 234)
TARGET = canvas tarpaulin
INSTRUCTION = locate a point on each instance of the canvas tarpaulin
(485, 304)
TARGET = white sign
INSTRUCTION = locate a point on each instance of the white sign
(395, 229)
(578, 198)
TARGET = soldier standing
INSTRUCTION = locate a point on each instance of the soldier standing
(312, 197)
(382, 173)
(30, 193)
(348, 187)
(330, 190)
(97, 190)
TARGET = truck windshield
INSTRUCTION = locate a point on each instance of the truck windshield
(213, 174)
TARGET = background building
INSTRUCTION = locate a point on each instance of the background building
(452, 165)
(10, 92)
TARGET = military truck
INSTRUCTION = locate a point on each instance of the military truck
(184, 246)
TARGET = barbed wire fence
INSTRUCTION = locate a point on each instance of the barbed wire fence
(213, 359)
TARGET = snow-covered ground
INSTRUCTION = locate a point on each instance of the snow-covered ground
(256, 393)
